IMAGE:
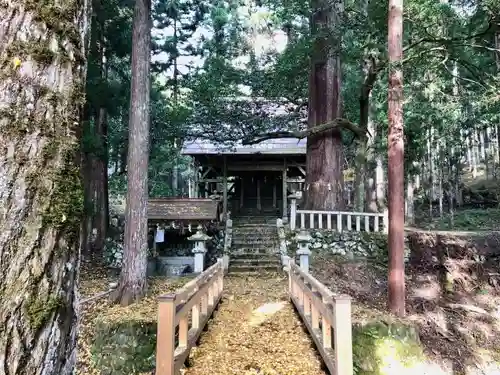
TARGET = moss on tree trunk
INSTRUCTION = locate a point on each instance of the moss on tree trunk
(42, 58)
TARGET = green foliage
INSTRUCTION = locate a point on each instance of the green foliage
(470, 219)
(205, 101)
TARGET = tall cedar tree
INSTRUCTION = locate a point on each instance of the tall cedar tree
(132, 283)
(42, 55)
(396, 161)
(325, 180)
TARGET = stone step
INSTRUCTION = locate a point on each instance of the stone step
(254, 241)
(238, 261)
(256, 236)
(252, 226)
(253, 251)
(254, 258)
(252, 268)
(256, 229)
(256, 273)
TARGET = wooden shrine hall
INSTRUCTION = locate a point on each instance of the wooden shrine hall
(253, 180)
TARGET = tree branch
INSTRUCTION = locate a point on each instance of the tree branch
(339, 123)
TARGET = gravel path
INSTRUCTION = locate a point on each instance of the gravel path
(255, 331)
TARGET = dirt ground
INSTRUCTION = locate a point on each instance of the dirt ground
(115, 340)
(255, 331)
(454, 303)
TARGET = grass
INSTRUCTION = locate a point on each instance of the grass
(476, 219)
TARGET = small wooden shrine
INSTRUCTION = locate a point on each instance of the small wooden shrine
(172, 220)
(253, 180)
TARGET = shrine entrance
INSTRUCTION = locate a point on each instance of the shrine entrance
(252, 180)
(258, 194)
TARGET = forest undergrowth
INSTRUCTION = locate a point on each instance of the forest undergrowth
(453, 303)
(116, 340)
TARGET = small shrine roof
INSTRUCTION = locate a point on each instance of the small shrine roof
(178, 209)
(281, 146)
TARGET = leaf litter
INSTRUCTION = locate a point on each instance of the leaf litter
(255, 331)
(106, 342)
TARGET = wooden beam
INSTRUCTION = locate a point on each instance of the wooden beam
(242, 184)
(206, 172)
(299, 180)
(285, 188)
(224, 189)
(217, 180)
(254, 167)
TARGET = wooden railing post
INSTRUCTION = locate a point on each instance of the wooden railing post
(315, 303)
(342, 331)
(386, 221)
(326, 330)
(165, 336)
(293, 211)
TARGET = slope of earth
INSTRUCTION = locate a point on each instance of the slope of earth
(255, 331)
(454, 302)
(116, 340)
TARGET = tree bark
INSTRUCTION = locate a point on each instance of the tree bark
(396, 161)
(88, 186)
(132, 283)
(101, 215)
(324, 162)
(370, 70)
(41, 97)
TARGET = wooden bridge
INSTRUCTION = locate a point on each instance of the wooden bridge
(183, 315)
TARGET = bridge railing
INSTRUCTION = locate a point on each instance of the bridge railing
(327, 317)
(338, 220)
(189, 309)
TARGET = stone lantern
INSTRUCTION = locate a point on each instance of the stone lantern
(303, 239)
(200, 248)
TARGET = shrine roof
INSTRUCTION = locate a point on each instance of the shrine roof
(178, 209)
(282, 146)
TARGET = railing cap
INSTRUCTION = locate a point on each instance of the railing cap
(342, 298)
(167, 297)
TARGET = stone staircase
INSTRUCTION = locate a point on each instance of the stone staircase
(255, 246)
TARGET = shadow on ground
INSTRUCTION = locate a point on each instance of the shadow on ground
(452, 304)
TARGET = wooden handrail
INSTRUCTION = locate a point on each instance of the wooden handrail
(323, 312)
(200, 297)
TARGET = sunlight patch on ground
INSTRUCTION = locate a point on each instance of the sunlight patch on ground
(264, 312)
(393, 364)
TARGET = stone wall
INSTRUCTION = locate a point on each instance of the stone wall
(113, 250)
(350, 244)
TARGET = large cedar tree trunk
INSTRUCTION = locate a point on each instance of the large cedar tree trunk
(101, 216)
(325, 180)
(42, 58)
(396, 161)
(132, 284)
(370, 70)
(88, 185)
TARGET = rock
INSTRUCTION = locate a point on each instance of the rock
(378, 346)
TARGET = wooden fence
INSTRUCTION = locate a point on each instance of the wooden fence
(327, 318)
(196, 300)
(340, 220)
